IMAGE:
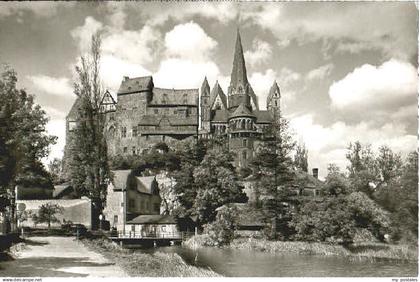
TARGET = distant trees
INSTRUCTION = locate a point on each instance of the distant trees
(23, 138)
(301, 158)
(88, 164)
(55, 168)
(47, 213)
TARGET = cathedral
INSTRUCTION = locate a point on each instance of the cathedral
(144, 115)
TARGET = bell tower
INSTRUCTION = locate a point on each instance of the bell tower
(273, 100)
(205, 105)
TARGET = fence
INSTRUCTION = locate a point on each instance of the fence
(142, 235)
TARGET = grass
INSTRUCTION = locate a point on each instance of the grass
(147, 265)
(359, 251)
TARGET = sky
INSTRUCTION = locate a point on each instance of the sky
(347, 71)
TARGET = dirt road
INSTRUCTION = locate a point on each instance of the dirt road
(57, 257)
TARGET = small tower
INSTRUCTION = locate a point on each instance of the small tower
(273, 100)
(205, 105)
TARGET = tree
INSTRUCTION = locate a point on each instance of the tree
(89, 165)
(216, 184)
(389, 164)
(222, 230)
(363, 171)
(23, 138)
(273, 168)
(301, 158)
(55, 168)
(47, 214)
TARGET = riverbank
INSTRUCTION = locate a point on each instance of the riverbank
(359, 251)
(138, 264)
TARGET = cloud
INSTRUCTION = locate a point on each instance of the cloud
(56, 128)
(320, 73)
(327, 144)
(83, 34)
(259, 54)
(181, 73)
(41, 9)
(51, 85)
(352, 25)
(189, 41)
(393, 83)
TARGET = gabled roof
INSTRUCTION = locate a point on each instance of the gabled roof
(147, 184)
(242, 111)
(254, 97)
(107, 99)
(137, 84)
(120, 179)
(152, 219)
(73, 113)
(165, 96)
(215, 92)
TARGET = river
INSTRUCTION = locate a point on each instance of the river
(246, 263)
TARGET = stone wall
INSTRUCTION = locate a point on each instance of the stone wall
(76, 211)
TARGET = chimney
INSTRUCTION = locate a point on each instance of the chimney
(126, 78)
(315, 172)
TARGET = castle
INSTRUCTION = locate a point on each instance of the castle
(145, 115)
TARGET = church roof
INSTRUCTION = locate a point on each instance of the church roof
(153, 120)
(274, 88)
(263, 116)
(242, 111)
(137, 84)
(217, 91)
(205, 87)
(220, 116)
(163, 96)
(238, 75)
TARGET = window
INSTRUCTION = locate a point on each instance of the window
(72, 125)
(244, 142)
(163, 137)
(133, 150)
(217, 106)
(163, 228)
(275, 103)
(244, 155)
(115, 219)
(147, 137)
(135, 131)
(133, 228)
(124, 132)
(156, 111)
(175, 112)
(125, 150)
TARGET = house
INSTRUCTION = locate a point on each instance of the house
(152, 226)
(129, 196)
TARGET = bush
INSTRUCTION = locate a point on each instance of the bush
(222, 230)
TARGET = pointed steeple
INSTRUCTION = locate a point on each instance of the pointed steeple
(217, 91)
(205, 88)
(273, 99)
(238, 76)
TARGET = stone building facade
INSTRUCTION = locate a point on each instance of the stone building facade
(145, 115)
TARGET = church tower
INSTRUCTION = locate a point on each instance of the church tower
(205, 105)
(239, 88)
(273, 100)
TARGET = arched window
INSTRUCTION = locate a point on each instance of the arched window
(244, 155)
(242, 124)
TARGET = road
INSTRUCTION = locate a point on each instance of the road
(58, 257)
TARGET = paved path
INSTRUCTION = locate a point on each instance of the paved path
(58, 257)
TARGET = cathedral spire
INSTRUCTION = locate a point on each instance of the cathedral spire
(238, 76)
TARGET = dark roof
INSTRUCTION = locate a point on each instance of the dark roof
(220, 116)
(153, 120)
(152, 219)
(163, 96)
(307, 180)
(120, 179)
(263, 116)
(61, 189)
(205, 87)
(137, 84)
(242, 111)
(217, 91)
(238, 75)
